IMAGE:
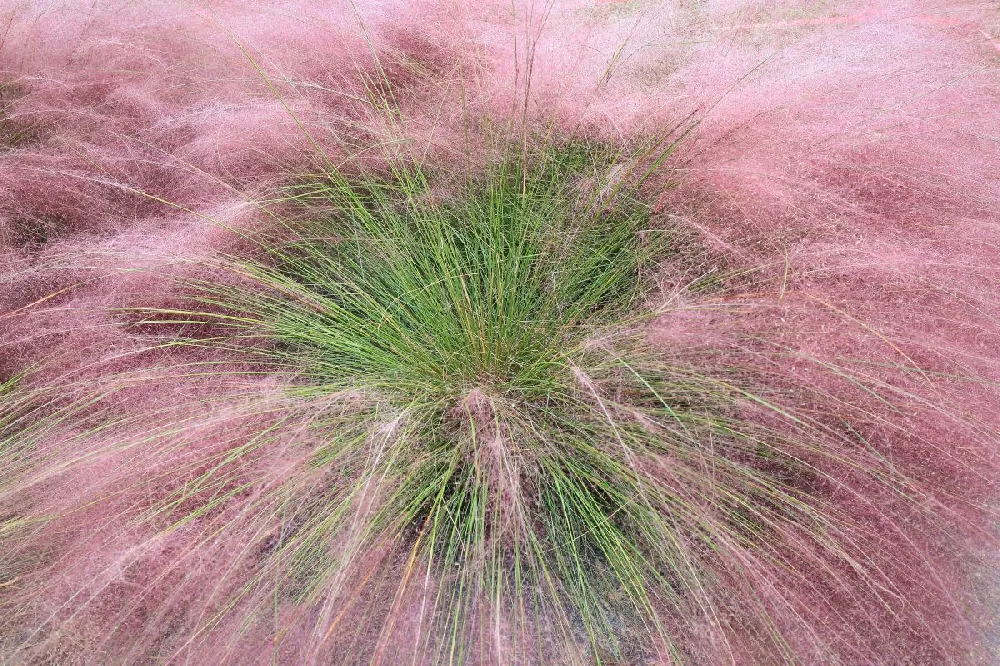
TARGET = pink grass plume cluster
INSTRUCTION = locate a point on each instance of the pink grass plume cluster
(842, 165)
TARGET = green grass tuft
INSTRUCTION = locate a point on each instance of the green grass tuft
(499, 413)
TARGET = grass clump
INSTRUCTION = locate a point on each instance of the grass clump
(497, 416)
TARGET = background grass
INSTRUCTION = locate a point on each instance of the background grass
(428, 413)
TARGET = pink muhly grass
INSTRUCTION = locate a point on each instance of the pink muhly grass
(171, 486)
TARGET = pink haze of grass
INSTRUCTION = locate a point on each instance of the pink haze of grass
(848, 152)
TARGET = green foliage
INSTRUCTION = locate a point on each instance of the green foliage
(498, 411)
